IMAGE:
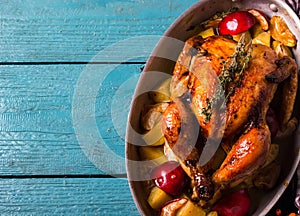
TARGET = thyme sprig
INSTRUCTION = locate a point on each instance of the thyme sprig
(230, 76)
(233, 68)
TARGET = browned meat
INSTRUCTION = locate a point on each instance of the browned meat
(254, 93)
(239, 118)
(246, 155)
(185, 138)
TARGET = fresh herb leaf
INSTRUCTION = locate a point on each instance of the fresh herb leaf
(231, 75)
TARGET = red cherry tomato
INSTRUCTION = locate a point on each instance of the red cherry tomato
(237, 204)
(272, 122)
(236, 23)
(170, 177)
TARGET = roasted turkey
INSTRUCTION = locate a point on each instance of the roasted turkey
(221, 91)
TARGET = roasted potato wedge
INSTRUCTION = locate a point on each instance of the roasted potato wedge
(263, 38)
(281, 49)
(158, 198)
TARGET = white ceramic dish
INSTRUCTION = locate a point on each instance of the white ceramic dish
(163, 60)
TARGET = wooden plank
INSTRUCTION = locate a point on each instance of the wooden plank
(76, 31)
(65, 196)
(83, 196)
(37, 135)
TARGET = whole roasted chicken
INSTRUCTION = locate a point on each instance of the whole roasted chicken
(221, 93)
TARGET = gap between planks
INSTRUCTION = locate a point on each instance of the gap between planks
(70, 63)
(100, 176)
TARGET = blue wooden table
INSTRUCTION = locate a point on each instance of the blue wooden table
(67, 73)
(68, 70)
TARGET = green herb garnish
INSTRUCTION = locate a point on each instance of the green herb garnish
(231, 75)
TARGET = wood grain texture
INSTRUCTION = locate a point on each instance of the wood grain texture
(72, 31)
(36, 131)
(45, 46)
(65, 196)
(36, 128)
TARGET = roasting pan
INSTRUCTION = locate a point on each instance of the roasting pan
(159, 67)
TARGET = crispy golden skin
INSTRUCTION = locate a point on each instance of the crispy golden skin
(252, 98)
(196, 72)
(242, 125)
(246, 155)
(184, 136)
(248, 107)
